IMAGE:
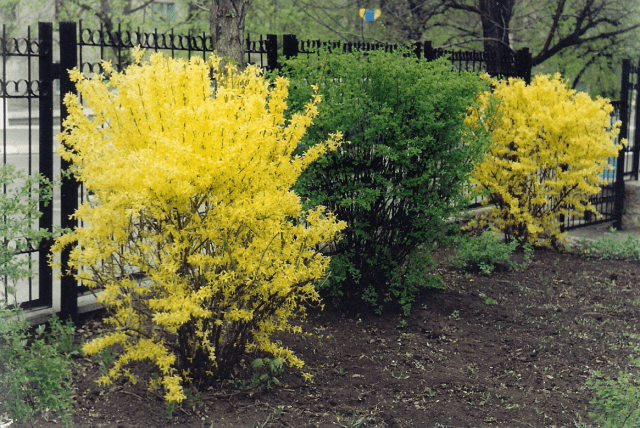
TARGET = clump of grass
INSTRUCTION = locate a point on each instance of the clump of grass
(609, 247)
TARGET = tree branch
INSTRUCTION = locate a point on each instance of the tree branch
(554, 25)
(575, 39)
(576, 80)
(142, 6)
(305, 10)
(453, 4)
(200, 6)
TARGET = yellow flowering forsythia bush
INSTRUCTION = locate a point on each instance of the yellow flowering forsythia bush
(550, 145)
(191, 229)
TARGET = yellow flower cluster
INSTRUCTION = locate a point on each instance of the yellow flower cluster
(191, 229)
(550, 145)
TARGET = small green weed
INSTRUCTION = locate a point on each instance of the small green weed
(105, 358)
(401, 376)
(171, 405)
(617, 400)
(62, 336)
(486, 299)
(274, 415)
(352, 422)
(268, 379)
(193, 398)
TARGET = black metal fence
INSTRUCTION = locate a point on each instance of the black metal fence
(32, 110)
(609, 203)
(27, 84)
(628, 114)
(32, 87)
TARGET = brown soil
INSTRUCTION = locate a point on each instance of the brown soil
(458, 362)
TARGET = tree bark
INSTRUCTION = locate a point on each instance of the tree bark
(496, 16)
(227, 29)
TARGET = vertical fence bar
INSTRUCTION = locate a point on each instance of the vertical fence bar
(69, 188)
(118, 37)
(188, 43)
(523, 64)
(173, 49)
(262, 47)
(636, 134)
(30, 52)
(618, 205)
(247, 50)
(289, 46)
(429, 53)
(3, 115)
(102, 43)
(3, 127)
(272, 52)
(417, 49)
(204, 45)
(45, 162)
(80, 44)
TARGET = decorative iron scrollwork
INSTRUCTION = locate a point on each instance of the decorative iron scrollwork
(19, 46)
(19, 88)
(123, 39)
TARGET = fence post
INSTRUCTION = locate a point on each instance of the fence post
(523, 64)
(69, 188)
(636, 134)
(417, 49)
(289, 45)
(272, 52)
(618, 204)
(429, 54)
(45, 162)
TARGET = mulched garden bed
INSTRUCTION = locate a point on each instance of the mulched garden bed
(511, 348)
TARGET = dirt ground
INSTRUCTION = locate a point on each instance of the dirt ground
(511, 348)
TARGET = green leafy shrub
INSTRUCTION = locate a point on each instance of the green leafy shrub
(34, 375)
(18, 211)
(484, 251)
(405, 170)
(617, 400)
(34, 369)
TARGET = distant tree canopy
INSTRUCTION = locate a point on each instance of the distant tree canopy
(576, 37)
(585, 40)
(223, 19)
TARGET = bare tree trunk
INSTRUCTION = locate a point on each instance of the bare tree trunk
(227, 29)
(496, 16)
